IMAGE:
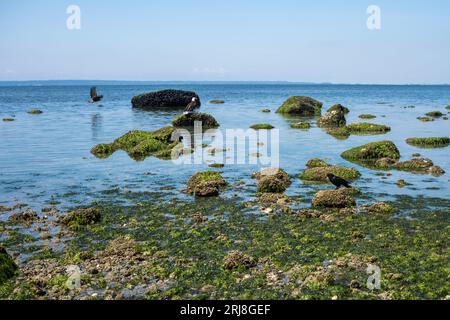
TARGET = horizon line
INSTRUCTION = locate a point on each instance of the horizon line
(228, 81)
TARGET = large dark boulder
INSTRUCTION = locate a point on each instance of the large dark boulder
(164, 99)
(189, 119)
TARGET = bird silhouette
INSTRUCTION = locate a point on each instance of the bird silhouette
(338, 181)
(94, 96)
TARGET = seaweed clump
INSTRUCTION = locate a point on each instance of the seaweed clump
(81, 217)
(7, 266)
(238, 260)
(431, 142)
(140, 144)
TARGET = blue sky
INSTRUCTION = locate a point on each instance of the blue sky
(286, 40)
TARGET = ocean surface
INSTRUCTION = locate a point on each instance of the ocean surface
(46, 158)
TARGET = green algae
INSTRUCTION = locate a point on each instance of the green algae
(7, 266)
(430, 142)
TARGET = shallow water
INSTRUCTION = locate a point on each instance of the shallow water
(45, 158)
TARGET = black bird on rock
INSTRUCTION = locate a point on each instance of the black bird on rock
(94, 96)
(338, 181)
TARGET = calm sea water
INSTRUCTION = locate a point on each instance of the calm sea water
(47, 157)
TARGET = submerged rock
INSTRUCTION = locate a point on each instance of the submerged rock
(366, 116)
(334, 118)
(385, 163)
(81, 217)
(300, 125)
(7, 266)
(340, 133)
(266, 110)
(237, 260)
(402, 183)
(140, 144)
(372, 152)
(425, 119)
(436, 171)
(434, 114)
(273, 198)
(302, 106)
(339, 107)
(189, 119)
(319, 174)
(35, 111)
(414, 165)
(431, 142)
(164, 99)
(262, 126)
(339, 198)
(8, 119)
(316, 162)
(216, 102)
(205, 184)
(367, 128)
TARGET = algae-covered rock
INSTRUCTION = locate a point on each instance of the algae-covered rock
(273, 198)
(316, 162)
(367, 128)
(81, 217)
(237, 260)
(367, 116)
(8, 119)
(35, 111)
(266, 110)
(189, 119)
(7, 266)
(401, 183)
(339, 107)
(164, 99)
(340, 133)
(301, 125)
(372, 152)
(339, 198)
(140, 144)
(216, 165)
(319, 174)
(334, 118)
(216, 101)
(431, 142)
(26, 217)
(385, 163)
(262, 126)
(205, 184)
(272, 180)
(302, 106)
(434, 114)
(414, 165)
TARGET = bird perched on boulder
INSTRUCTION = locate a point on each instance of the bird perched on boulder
(338, 181)
(191, 106)
(94, 96)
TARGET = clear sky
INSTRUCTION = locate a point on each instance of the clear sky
(289, 40)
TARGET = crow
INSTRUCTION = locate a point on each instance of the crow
(337, 181)
(94, 96)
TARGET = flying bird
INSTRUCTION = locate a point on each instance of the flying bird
(94, 96)
(338, 181)
(191, 106)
